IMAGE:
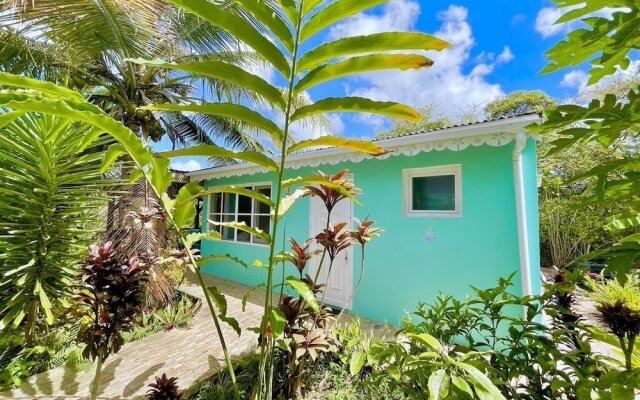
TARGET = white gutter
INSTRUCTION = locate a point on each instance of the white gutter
(521, 211)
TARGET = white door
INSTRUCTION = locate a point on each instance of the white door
(339, 283)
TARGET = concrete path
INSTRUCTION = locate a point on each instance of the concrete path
(190, 354)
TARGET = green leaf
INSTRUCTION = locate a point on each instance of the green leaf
(288, 201)
(113, 152)
(238, 190)
(219, 299)
(485, 389)
(461, 384)
(46, 306)
(221, 258)
(361, 146)
(7, 79)
(266, 15)
(257, 232)
(159, 174)
(209, 150)
(357, 65)
(356, 362)
(184, 210)
(278, 321)
(224, 71)
(304, 291)
(232, 322)
(239, 27)
(427, 340)
(291, 9)
(438, 384)
(357, 104)
(195, 237)
(385, 41)
(335, 12)
(229, 110)
(318, 180)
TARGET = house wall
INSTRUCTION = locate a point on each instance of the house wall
(402, 266)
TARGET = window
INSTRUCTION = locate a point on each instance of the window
(228, 207)
(433, 192)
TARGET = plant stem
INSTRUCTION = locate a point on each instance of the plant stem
(30, 329)
(216, 322)
(96, 379)
(265, 345)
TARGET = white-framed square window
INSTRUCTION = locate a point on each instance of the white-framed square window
(228, 207)
(433, 191)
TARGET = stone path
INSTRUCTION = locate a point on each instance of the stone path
(191, 354)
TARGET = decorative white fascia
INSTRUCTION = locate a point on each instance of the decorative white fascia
(492, 133)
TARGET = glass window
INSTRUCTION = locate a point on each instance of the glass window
(230, 207)
(434, 191)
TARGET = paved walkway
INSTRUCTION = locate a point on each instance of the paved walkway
(191, 354)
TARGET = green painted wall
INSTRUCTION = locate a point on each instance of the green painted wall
(402, 267)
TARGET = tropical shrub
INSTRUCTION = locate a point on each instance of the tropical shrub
(111, 303)
(50, 191)
(610, 121)
(288, 26)
(164, 388)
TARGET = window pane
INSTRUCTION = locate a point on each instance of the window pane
(262, 208)
(228, 233)
(215, 199)
(216, 218)
(229, 204)
(434, 193)
(244, 204)
(264, 223)
(243, 236)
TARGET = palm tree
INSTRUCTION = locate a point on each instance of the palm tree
(88, 45)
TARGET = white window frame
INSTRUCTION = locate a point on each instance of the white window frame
(253, 214)
(409, 174)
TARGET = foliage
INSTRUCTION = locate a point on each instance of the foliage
(430, 120)
(51, 189)
(619, 310)
(609, 121)
(42, 44)
(605, 42)
(164, 389)
(288, 25)
(519, 103)
(56, 348)
(221, 387)
(111, 303)
(178, 313)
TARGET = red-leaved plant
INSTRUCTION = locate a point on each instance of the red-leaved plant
(112, 300)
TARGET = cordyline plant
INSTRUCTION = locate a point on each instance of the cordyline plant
(302, 326)
(164, 388)
(277, 31)
(112, 301)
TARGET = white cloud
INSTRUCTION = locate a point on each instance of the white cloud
(506, 56)
(575, 79)
(186, 165)
(547, 17)
(546, 22)
(446, 84)
(397, 15)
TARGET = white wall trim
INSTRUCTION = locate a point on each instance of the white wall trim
(492, 133)
(441, 170)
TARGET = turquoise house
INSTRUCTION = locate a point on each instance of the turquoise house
(458, 207)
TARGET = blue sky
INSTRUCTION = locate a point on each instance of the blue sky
(498, 47)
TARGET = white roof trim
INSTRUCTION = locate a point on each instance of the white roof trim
(493, 133)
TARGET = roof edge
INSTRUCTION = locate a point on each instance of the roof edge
(494, 132)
